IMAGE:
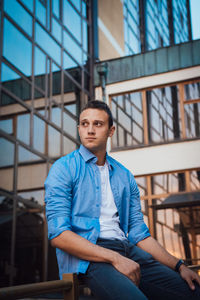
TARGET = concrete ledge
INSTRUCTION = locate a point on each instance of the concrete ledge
(162, 158)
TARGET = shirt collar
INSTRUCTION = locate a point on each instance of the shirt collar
(87, 155)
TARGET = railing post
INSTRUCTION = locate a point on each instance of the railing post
(73, 293)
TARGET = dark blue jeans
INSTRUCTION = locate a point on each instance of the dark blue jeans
(157, 281)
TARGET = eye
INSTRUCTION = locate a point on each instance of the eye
(84, 124)
(98, 124)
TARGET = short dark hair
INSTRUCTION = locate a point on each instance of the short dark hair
(97, 104)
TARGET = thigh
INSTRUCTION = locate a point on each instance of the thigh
(159, 281)
(106, 283)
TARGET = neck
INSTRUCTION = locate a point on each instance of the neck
(101, 157)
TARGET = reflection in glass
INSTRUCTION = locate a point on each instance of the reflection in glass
(13, 39)
(40, 68)
(131, 27)
(56, 116)
(19, 15)
(68, 62)
(56, 75)
(192, 119)
(128, 114)
(56, 30)
(72, 20)
(40, 62)
(77, 4)
(7, 126)
(47, 43)
(12, 82)
(192, 91)
(6, 99)
(7, 74)
(84, 9)
(38, 196)
(72, 108)
(6, 152)
(85, 36)
(195, 180)
(26, 156)
(114, 137)
(56, 8)
(163, 114)
(39, 134)
(69, 125)
(157, 32)
(40, 12)
(72, 47)
(23, 128)
(28, 4)
(69, 146)
(53, 142)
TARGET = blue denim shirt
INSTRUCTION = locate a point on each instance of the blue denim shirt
(73, 202)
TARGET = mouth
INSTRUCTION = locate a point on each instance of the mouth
(90, 139)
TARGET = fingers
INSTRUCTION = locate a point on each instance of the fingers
(135, 274)
(128, 267)
(191, 284)
(190, 276)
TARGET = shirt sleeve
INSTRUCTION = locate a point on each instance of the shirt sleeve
(58, 199)
(138, 230)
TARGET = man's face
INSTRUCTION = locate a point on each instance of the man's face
(94, 129)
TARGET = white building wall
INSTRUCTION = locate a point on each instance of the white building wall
(162, 158)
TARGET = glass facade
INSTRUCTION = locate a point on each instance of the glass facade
(157, 115)
(46, 74)
(180, 17)
(157, 27)
(172, 227)
(151, 24)
(131, 27)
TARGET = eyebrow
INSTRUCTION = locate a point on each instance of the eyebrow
(93, 121)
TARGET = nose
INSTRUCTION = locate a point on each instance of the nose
(91, 129)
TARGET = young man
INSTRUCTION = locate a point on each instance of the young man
(96, 224)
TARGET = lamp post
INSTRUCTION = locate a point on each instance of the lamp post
(102, 70)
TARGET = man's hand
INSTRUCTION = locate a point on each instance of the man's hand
(128, 267)
(189, 276)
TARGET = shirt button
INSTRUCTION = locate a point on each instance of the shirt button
(97, 188)
(97, 205)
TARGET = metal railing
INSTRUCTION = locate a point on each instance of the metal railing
(66, 285)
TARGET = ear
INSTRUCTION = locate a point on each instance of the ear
(111, 131)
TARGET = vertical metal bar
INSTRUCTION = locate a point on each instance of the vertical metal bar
(150, 209)
(170, 22)
(91, 18)
(82, 73)
(189, 20)
(1, 43)
(145, 118)
(45, 249)
(142, 14)
(33, 82)
(62, 98)
(14, 219)
(182, 113)
(94, 25)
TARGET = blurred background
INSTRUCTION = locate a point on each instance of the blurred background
(140, 56)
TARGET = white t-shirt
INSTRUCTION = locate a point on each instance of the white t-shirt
(109, 218)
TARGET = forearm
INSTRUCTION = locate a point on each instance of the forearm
(78, 246)
(151, 246)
